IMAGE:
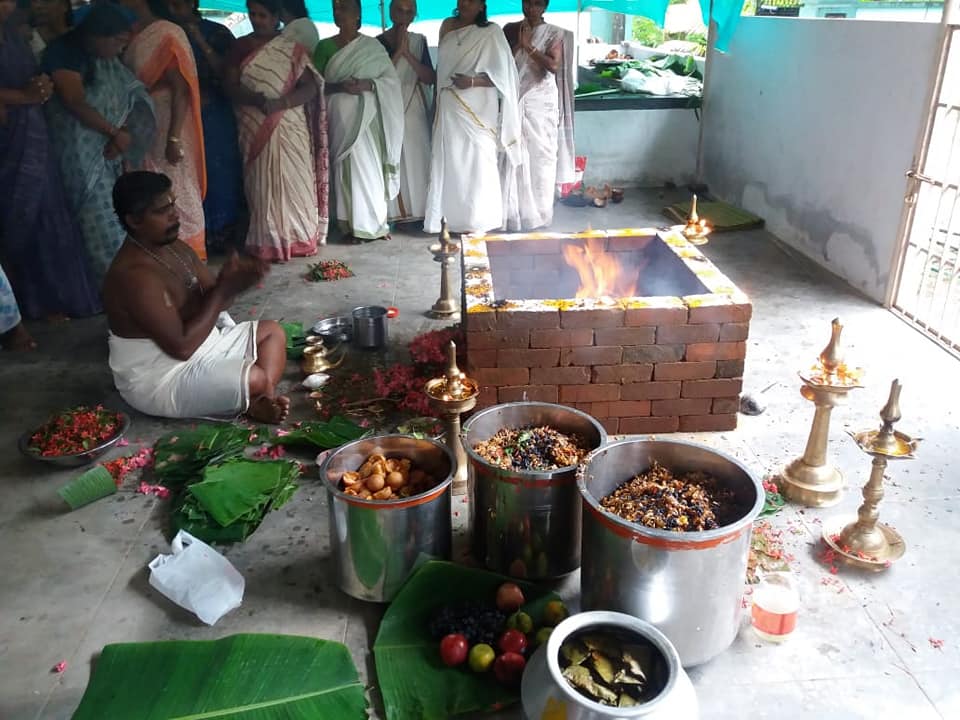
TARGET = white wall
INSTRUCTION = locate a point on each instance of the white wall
(811, 124)
(637, 147)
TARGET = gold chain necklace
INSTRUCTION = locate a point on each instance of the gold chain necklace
(191, 281)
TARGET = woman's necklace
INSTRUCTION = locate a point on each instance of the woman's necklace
(191, 281)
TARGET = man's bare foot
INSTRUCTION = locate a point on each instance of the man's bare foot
(270, 409)
(18, 339)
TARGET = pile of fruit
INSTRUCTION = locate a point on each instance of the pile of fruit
(380, 478)
(493, 636)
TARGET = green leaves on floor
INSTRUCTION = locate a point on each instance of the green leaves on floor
(248, 677)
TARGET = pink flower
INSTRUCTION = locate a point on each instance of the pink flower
(158, 490)
(281, 432)
(123, 442)
(60, 667)
(936, 644)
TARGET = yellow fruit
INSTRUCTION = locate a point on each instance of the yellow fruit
(543, 634)
(520, 621)
(481, 657)
(554, 613)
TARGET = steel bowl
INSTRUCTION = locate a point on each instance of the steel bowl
(545, 693)
(78, 459)
(334, 330)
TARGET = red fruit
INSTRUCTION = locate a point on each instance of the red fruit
(513, 641)
(508, 668)
(509, 598)
(453, 649)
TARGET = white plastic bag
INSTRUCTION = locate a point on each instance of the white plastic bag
(198, 578)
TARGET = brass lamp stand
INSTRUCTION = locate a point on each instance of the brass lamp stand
(450, 395)
(446, 253)
(810, 479)
(866, 542)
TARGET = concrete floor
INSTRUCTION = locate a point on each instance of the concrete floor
(73, 582)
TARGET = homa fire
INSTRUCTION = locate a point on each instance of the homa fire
(635, 327)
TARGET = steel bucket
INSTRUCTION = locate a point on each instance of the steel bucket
(526, 524)
(370, 326)
(545, 693)
(374, 544)
(690, 585)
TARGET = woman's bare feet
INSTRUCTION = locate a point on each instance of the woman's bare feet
(18, 339)
(269, 409)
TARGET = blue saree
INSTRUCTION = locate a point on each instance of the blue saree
(9, 312)
(88, 177)
(40, 246)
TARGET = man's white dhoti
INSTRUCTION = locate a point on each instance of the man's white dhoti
(215, 381)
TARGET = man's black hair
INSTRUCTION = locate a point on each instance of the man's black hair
(134, 192)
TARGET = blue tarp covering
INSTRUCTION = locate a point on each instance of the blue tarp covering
(726, 13)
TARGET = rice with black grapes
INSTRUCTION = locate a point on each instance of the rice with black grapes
(532, 448)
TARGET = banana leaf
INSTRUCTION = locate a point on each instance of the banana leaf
(233, 490)
(254, 677)
(333, 433)
(181, 456)
(414, 684)
(295, 339)
(92, 485)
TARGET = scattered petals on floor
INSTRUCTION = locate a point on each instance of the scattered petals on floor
(59, 667)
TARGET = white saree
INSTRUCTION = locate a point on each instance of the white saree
(471, 127)
(410, 202)
(546, 150)
(303, 32)
(366, 137)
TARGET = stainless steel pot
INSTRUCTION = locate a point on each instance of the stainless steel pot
(526, 524)
(689, 585)
(334, 330)
(375, 544)
(545, 694)
(370, 326)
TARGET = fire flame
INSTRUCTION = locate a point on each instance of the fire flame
(601, 273)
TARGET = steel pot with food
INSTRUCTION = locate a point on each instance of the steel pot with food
(599, 665)
(666, 535)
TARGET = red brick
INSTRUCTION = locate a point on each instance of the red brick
(729, 368)
(528, 320)
(481, 321)
(725, 406)
(717, 351)
(502, 376)
(676, 334)
(678, 406)
(561, 338)
(560, 375)
(708, 423)
(487, 397)
(533, 393)
(591, 356)
(597, 409)
(650, 391)
(626, 336)
(528, 358)
(685, 370)
(720, 313)
(723, 387)
(622, 373)
(481, 358)
(647, 425)
(734, 332)
(630, 408)
(653, 353)
(611, 425)
(639, 317)
(605, 318)
(589, 393)
(498, 339)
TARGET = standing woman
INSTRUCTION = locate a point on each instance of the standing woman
(39, 242)
(544, 64)
(477, 118)
(50, 20)
(212, 43)
(411, 57)
(100, 118)
(298, 26)
(277, 95)
(365, 115)
(160, 56)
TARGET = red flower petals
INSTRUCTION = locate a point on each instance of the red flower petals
(75, 431)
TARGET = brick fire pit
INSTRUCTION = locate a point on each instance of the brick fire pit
(668, 356)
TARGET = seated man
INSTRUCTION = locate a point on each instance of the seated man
(169, 354)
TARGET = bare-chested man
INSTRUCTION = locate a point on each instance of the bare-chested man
(173, 350)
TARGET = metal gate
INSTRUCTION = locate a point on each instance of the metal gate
(927, 288)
